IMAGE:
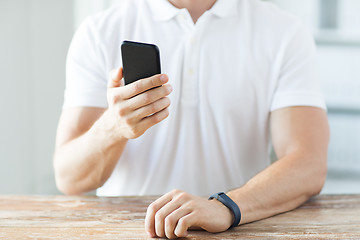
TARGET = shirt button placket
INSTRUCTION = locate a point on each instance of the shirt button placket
(191, 62)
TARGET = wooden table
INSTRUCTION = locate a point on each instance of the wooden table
(61, 217)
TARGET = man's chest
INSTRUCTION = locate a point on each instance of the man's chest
(213, 63)
(226, 73)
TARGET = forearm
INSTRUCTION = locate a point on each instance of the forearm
(89, 147)
(281, 187)
(86, 162)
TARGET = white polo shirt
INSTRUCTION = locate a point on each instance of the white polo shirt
(242, 60)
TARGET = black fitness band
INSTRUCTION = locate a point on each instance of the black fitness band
(224, 199)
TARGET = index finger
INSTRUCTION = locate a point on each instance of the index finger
(152, 210)
(143, 85)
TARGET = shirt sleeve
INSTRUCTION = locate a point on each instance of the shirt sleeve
(298, 83)
(86, 77)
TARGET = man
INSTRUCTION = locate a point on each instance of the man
(241, 72)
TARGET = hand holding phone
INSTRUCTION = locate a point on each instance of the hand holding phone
(134, 108)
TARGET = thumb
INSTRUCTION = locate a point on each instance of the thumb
(116, 78)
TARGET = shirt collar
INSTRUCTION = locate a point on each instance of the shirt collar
(163, 10)
(225, 8)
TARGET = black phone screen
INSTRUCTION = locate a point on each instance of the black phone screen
(140, 60)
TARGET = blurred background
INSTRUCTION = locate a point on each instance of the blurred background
(34, 39)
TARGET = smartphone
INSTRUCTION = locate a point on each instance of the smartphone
(140, 60)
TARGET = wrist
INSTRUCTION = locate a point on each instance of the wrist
(231, 205)
(106, 127)
(228, 214)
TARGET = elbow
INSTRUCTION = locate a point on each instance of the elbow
(319, 184)
(318, 179)
(65, 185)
(66, 188)
(69, 183)
(70, 187)
(64, 182)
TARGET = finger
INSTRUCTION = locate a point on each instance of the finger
(172, 219)
(145, 84)
(150, 121)
(185, 223)
(116, 80)
(152, 108)
(149, 97)
(162, 214)
(151, 211)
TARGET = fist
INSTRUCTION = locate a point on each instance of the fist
(174, 213)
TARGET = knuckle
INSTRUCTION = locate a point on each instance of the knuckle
(122, 112)
(153, 107)
(159, 216)
(191, 204)
(137, 86)
(161, 104)
(154, 81)
(182, 223)
(159, 117)
(134, 131)
(169, 222)
(183, 196)
(152, 208)
(114, 98)
(128, 121)
(146, 97)
(176, 191)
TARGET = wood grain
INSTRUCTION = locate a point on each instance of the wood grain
(62, 217)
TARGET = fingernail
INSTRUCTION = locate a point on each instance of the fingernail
(163, 78)
(122, 82)
(169, 87)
